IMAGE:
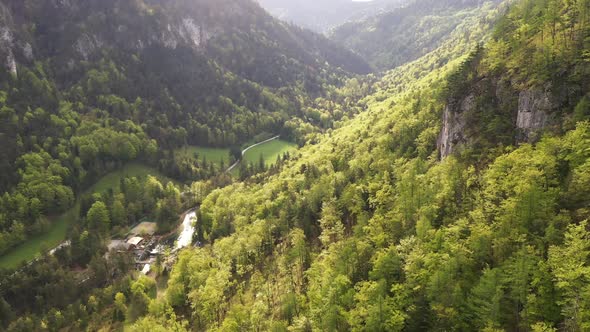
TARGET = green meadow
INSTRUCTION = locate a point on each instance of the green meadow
(269, 151)
(59, 224)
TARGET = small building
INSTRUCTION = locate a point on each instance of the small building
(135, 241)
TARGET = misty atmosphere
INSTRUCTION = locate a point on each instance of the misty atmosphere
(324, 15)
(295, 165)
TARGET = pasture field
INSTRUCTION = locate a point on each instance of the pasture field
(269, 151)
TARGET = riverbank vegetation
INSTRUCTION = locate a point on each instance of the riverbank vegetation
(57, 227)
(367, 227)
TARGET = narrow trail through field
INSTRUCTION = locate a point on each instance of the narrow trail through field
(246, 150)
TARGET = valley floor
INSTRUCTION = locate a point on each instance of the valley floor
(57, 233)
(28, 251)
(269, 150)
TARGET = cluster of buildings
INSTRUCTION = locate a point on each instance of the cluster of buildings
(142, 243)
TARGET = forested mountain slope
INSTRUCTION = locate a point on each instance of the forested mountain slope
(370, 230)
(390, 39)
(91, 85)
(531, 78)
(457, 202)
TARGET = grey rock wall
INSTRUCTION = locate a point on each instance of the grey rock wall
(453, 129)
(534, 108)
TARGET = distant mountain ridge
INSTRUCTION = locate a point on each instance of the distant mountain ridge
(194, 60)
(323, 15)
(392, 38)
(68, 28)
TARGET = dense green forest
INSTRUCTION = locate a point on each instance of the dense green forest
(451, 193)
(78, 99)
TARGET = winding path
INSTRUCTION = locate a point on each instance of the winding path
(246, 150)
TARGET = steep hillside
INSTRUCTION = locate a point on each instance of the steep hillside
(369, 230)
(69, 30)
(458, 201)
(405, 34)
(532, 78)
(90, 85)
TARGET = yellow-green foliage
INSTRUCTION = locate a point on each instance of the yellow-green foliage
(368, 230)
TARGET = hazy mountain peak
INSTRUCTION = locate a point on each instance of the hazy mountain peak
(323, 15)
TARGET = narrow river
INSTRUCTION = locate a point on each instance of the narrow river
(188, 229)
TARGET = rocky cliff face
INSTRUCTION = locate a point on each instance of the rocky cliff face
(6, 47)
(534, 109)
(187, 32)
(229, 32)
(541, 109)
(137, 29)
(528, 113)
(10, 45)
(453, 129)
(474, 112)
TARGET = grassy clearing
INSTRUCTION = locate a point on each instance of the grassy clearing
(269, 151)
(59, 226)
(33, 246)
(215, 155)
